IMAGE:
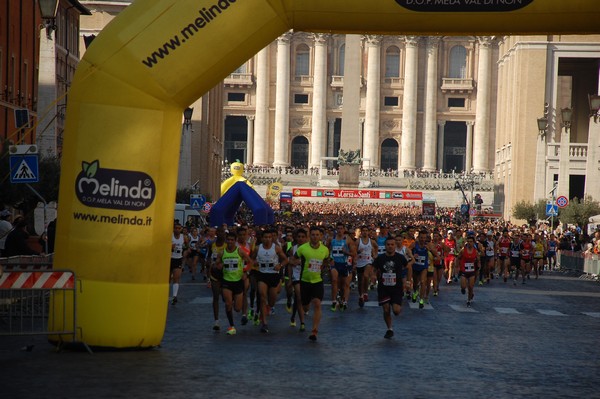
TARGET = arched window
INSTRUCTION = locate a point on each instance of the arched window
(458, 62)
(392, 62)
(300, 152)
(342, 57)
(302, 60)
(389, 154)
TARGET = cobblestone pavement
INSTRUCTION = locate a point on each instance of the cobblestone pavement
(536, 340)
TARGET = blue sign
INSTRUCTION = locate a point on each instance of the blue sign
(24, 168)
(551, 210)
(464, 209)
(197, 201)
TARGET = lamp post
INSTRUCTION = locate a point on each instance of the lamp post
(592, 174)
(565, 148)
(540, 159)
(48, 11)
(185, 150)
(46, 132)
(594, 100)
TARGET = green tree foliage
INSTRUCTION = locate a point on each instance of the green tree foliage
(579, 211)
(525, 210)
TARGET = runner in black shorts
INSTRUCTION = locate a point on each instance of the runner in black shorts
(389, 266)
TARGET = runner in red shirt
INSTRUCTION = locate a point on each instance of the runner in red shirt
(469, 264)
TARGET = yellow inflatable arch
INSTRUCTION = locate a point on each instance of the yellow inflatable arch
(120, 155)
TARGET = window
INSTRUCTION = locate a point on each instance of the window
(392, 62)
(300, 98)
(241, 69)
(390, 101)
(302, 60)
(458, 62)
(237, 97)
(342, 55)
(456, 102)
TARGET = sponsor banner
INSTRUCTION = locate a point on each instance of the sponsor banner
(428, 209)
(358, 194)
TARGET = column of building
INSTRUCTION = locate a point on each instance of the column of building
(330, 137)
(440, 143)
(282, 102)
(318, 138)
(371, 134)
(250, 139)
(564, 160)
(431, 87)
(469, 149)
(481, 139)
(261, 131)
(409, 103)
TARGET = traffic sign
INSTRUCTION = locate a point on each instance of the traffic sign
(197, 201)
(207, 207)
(562, 201)
(24, 168)
(551, 210)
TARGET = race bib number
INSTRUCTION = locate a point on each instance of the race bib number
(514, 254)
(389, 279)
(231, 264)
(489, 252)
(420, 260)
(538, 254)
(314, 265)
(337, 251)
(503, 250)
(266, 267)
(469, 267)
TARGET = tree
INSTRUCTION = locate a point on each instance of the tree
(579, 211)
(525, 210)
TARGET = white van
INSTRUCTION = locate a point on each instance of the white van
(185, 213)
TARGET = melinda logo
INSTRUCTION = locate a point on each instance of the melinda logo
(464, 5)
(113, 188)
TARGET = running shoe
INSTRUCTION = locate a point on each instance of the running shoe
(435, 293)
(231, 330)
(361, 302)
(366, 297)
(421, 304)
(302, 327)
(174, 301)
(288, 307)
(256, 320)
(272, 311)
(455, 279)
(463, 291)
(505, 279)
(216, 326)
(292, 323)
(344, 306)
(244, 320)
(264, 329)
(388, 334)
(528, 277)
(414, 296)
(468, 304)
(480, 282)
(333, 307)
(313, 336)
(250, 313)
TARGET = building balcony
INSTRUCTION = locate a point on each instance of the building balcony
(457, 85)
(577, 156)
(239, 80)
(337, 82)
(304, 80)
(394, 82)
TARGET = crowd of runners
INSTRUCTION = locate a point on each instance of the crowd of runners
(390, 250)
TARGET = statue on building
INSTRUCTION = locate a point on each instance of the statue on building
(349, 158)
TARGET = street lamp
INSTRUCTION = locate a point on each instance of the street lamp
(594, 100)
(48, 10)
(567, 114)
(542, 125)
(187, 116)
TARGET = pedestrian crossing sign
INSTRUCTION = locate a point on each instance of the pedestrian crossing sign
(24, 168)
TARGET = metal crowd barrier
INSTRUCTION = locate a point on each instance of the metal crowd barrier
(27, 263)
(580, 261)
(38, 303)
